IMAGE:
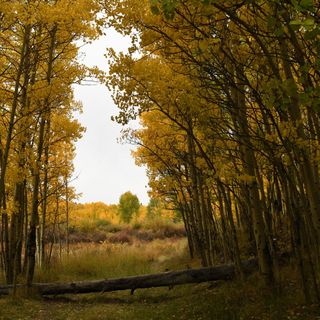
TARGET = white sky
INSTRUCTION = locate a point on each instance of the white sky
(105, 168)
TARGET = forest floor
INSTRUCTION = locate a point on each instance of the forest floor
(216, 301)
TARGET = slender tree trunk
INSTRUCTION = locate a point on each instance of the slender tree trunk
(5, 156)
(249, 166)
(34, 219)
(67, 215)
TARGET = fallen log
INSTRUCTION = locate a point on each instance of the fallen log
(165, 279)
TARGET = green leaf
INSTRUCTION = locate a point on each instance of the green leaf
(308, 22)
(279, 32)
(168, 7)
(296, 22)
(310, 35)
(306, 4)
(155, 10)
(154, 7)
(271, 21)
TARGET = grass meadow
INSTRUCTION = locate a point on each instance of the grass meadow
(110, 260)
(103, 251)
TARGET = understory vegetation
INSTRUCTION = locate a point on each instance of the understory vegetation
(98, 222)
(110, 260)
(219, 300)
(125, 233)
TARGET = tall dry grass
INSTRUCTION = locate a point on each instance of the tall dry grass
(108, 260)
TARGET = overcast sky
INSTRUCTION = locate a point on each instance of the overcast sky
(105, 168)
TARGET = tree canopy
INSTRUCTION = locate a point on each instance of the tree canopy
(128, 206)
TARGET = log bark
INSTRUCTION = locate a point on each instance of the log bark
(166, 279)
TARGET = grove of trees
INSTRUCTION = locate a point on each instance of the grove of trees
(39, 42)
(229, 98)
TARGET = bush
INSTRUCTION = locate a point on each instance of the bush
(99, 237)
(137, 226)
(145, 235)
(102, 223)
(96, 236)
(124, 236)
(113, 228)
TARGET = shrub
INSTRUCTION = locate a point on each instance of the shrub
(98, 237)
(145, 235)
(102, 223)
(113, 228)
(124, 236)
(137, 226)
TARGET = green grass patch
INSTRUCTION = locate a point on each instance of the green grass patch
(224, 301)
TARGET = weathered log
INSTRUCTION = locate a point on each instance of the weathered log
(165, 279)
